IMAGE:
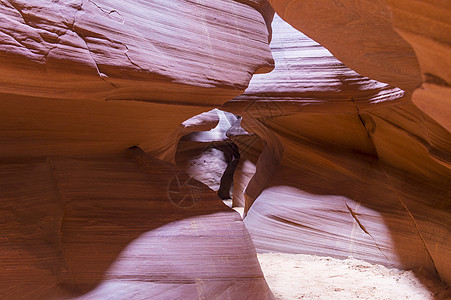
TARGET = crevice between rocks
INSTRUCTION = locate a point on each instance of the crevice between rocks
(361, 120)
(67, 281)
(413, 220)
(354, 215)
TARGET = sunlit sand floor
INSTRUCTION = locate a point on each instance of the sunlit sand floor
(298, 276)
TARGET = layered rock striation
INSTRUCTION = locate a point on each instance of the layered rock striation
(82, 81)
(344, 153)
(95, 62)
(126, 227)
(350, 167)
(403, 44)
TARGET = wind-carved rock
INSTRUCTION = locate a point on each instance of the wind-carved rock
(84, 80)
(352, 167)
(343, 165)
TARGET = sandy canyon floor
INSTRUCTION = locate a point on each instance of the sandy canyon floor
(298, 276)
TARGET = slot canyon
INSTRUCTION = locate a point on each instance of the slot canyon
(158, 149)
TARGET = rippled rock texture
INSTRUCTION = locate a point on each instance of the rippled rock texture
(129, 227)
(82, 81)
(350, 167)
(95, 61)
(344, 153)
(399, 42)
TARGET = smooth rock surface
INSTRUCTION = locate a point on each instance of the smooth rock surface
(426, 26)
(116, 227)
(401, 43)
(131, 50)
(332, 162)
(77, 72)
(358, 33)
(359, 170)
(81, 82)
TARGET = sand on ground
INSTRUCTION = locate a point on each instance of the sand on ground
(299, 276)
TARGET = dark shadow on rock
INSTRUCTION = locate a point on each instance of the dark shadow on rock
(232, 158)
(112, 221)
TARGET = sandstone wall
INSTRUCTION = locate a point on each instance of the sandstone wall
(83, 80)
(96, 61)
(352, 159)
(351, 166)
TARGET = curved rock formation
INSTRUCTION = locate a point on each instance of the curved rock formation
(131, 50)
(331, 162)
(83, 80)
(116, 227)
(358, 33)
(391, 41)
(426, 26)
(94, 61)
(350, 166)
